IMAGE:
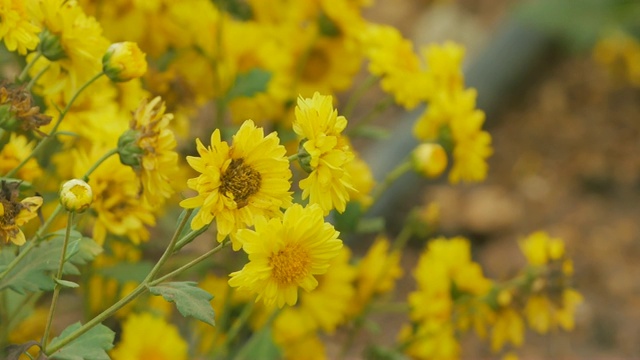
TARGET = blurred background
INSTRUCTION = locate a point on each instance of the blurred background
(560, 83)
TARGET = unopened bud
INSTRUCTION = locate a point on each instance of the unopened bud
(124, 61)
(429, 159)
(128, 149)
(76, 195)
(50, 46)
(304, 158)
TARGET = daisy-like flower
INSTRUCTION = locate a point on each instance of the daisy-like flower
(239, 183)
(148, 147)
(285, 254)
(116, 198)
(328, 304)
(324, 153)
(145, 336)
(16, 29)
(14, 213)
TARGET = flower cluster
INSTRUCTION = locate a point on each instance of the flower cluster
(121, 111)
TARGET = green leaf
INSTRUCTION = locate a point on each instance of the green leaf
(92, 345)
(67, 283)
(260, 346)
(189, 299)
(127, 272)
(33, 273)
(248, 84)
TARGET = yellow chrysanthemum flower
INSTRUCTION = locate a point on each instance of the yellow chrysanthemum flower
(72, 45)
(508, 327)
(149, 147)
(377, 272)
(14, 214)
(17, 149)
(145, 336)
(285, 254)
(117, 202)
(430, 342)
(329, 303)
(16, 28)
(326, 153)
(456, 115)
(239, 183)
(295, 332)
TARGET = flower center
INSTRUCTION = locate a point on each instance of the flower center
(241, 181)
(290, 264)
(316, 67)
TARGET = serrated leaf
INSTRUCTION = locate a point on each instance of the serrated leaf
(34, 271)
(127, 272)
(249, 83)
(92, 345)
(189, 299)
(260, 346)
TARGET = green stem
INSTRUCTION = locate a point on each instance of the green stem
(190, 264)
(35, 78)
(390, 179)
(240, 322)
(57, 287)
(403, 237)
(51, 135)
(141, 288)
(98, 163)
(293, 157)
(32, 242)
(25, 71)
(357, 95)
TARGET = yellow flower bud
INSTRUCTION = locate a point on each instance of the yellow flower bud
(124, 61)
(429, 159)
(76, 195)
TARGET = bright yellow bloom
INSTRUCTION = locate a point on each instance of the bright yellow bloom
(295, 332)
(120, 209)
(362, 181)
(124, 61)
(145, 336)
(149, 147)
(76, 43)
(508, 327)
(239, 183)
(540, 248)
(431, 342)
(377, 272)
(16, 29)
(76, 195)
(326, 153)
(429, 159)
(329, 303)
(14, 214)
(285, 254)
(453, 118)
(17, 149)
